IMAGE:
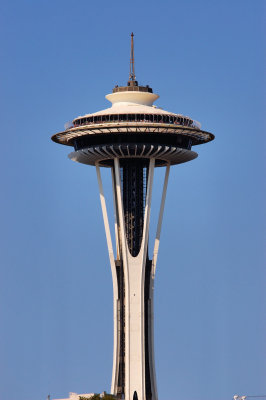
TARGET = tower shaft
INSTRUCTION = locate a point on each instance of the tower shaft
(134, 256)
(133, 279)
(133, 183)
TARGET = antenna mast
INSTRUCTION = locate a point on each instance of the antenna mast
(132, 76)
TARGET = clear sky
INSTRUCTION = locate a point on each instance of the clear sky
(58, 60)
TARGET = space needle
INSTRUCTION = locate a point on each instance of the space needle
(132, 138)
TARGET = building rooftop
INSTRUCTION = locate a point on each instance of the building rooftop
(132, 103)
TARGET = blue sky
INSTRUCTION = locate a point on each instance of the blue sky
(204, 59)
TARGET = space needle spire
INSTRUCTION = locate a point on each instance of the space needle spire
(132, 138)
(132, 76)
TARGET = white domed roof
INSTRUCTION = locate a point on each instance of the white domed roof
(131, 103)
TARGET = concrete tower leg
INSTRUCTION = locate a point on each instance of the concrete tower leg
(114, 279)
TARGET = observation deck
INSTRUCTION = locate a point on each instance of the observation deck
(133, 128)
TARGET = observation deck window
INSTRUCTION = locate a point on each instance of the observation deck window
(154, 118)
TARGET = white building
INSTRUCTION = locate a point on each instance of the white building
(76, 396)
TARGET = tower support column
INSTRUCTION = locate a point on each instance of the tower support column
(133, 286)
(134, 275)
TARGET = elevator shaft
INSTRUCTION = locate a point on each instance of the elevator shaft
(134, 182)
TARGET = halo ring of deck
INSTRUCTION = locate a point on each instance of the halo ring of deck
(67, 137)
(104, 154)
